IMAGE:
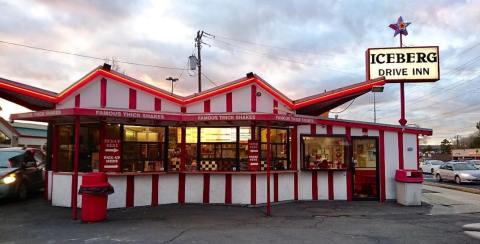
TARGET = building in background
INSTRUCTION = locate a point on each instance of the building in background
(465, 154)
(22, 134)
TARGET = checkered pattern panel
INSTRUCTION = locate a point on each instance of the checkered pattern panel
(175, 165)
(263, 165)
(208, 166)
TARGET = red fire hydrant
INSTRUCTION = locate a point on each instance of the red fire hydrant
(94, 190)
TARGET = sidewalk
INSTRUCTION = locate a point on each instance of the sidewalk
(448, 201)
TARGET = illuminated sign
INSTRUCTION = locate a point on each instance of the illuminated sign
(406, 64)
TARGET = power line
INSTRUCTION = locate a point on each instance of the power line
(87, 56)
(211, 81)
(333, 112)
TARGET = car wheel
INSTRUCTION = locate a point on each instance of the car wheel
(432, 171)
(22, 191)
(438, 177)
(458, 180)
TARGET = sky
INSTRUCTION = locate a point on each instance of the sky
(300, 47)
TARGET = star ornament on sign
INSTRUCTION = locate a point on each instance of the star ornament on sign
(400, 27)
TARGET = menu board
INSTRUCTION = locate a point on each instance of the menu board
(253, 155)
(111, 154)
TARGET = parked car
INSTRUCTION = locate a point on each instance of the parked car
(459, 172)
(429, 166)
(20, 173)
(475, 162)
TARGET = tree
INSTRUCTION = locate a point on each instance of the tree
(446, 146)
(475, 142)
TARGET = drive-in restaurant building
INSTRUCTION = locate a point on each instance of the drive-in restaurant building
(212, 147)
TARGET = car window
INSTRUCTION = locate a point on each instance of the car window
(448, 167)
(10, 157)
(464, 166)
(436, 162)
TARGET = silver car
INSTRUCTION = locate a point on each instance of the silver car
(460, 172)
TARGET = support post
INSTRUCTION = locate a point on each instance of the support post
(75, 167)
(402, 120)
(268, 169)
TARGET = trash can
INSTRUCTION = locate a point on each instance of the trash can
(94, 190)
(409, 187)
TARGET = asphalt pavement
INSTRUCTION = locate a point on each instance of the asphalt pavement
(35, 221)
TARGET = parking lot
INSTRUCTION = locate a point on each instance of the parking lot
(431, 178)
(35, 221)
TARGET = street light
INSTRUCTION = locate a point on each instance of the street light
(375, 89)
(172, 80)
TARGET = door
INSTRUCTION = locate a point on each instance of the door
(365, 168)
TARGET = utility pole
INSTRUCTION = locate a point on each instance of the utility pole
(198, 45)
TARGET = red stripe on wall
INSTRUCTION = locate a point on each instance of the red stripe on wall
(329, 130)
(183, 109)
(275, 187)
(206, 188)
(253, 189)
(181, 188)
(229, 102)
(253, 96)
(154, 190)
(132, 99)
(158, 104)
(275, 106)
(330, 185)
(206, 106)
(228, 189)
(313, 129)
(77, 101)
(418, 154)
(314, 185)
(348, 132)
(55, 148)
(295, 186)
(103, 93)
(381, 141)
(400, 150)
(130, 191)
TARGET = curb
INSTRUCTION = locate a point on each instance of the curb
(458, 188)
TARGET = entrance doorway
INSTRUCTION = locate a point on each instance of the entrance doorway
(365, 168)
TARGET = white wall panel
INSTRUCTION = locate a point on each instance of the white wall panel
(321, 129)
(145, 101)
(142, 190)
(261, 196)
(373, 133)
(356, 132)
(241, 189)
(68, 102)
(61, 190)
(117, 95)
(168, 189)
(90, 94)
(168, 106)
(195, 107)
(340, 185)
(338, 130)
(391, 163)
(322, 183)
(285, 187)
(118, 199)
(217, 188)
(194, 188)
(241, 100)
(305, 185)
(410, 151)
(218, 104)
(265, 101)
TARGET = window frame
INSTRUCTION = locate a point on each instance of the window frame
(287, 144)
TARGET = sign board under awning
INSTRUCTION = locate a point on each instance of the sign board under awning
(405, 64)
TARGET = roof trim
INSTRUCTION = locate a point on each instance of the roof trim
(184, 100)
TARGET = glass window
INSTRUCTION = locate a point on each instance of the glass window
(280, 148)
(143, 148)
(65, 148)
(88, 159)
(174, 148)
(218, 149)
(324, 152)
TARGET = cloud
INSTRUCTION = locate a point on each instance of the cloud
(300, 47)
